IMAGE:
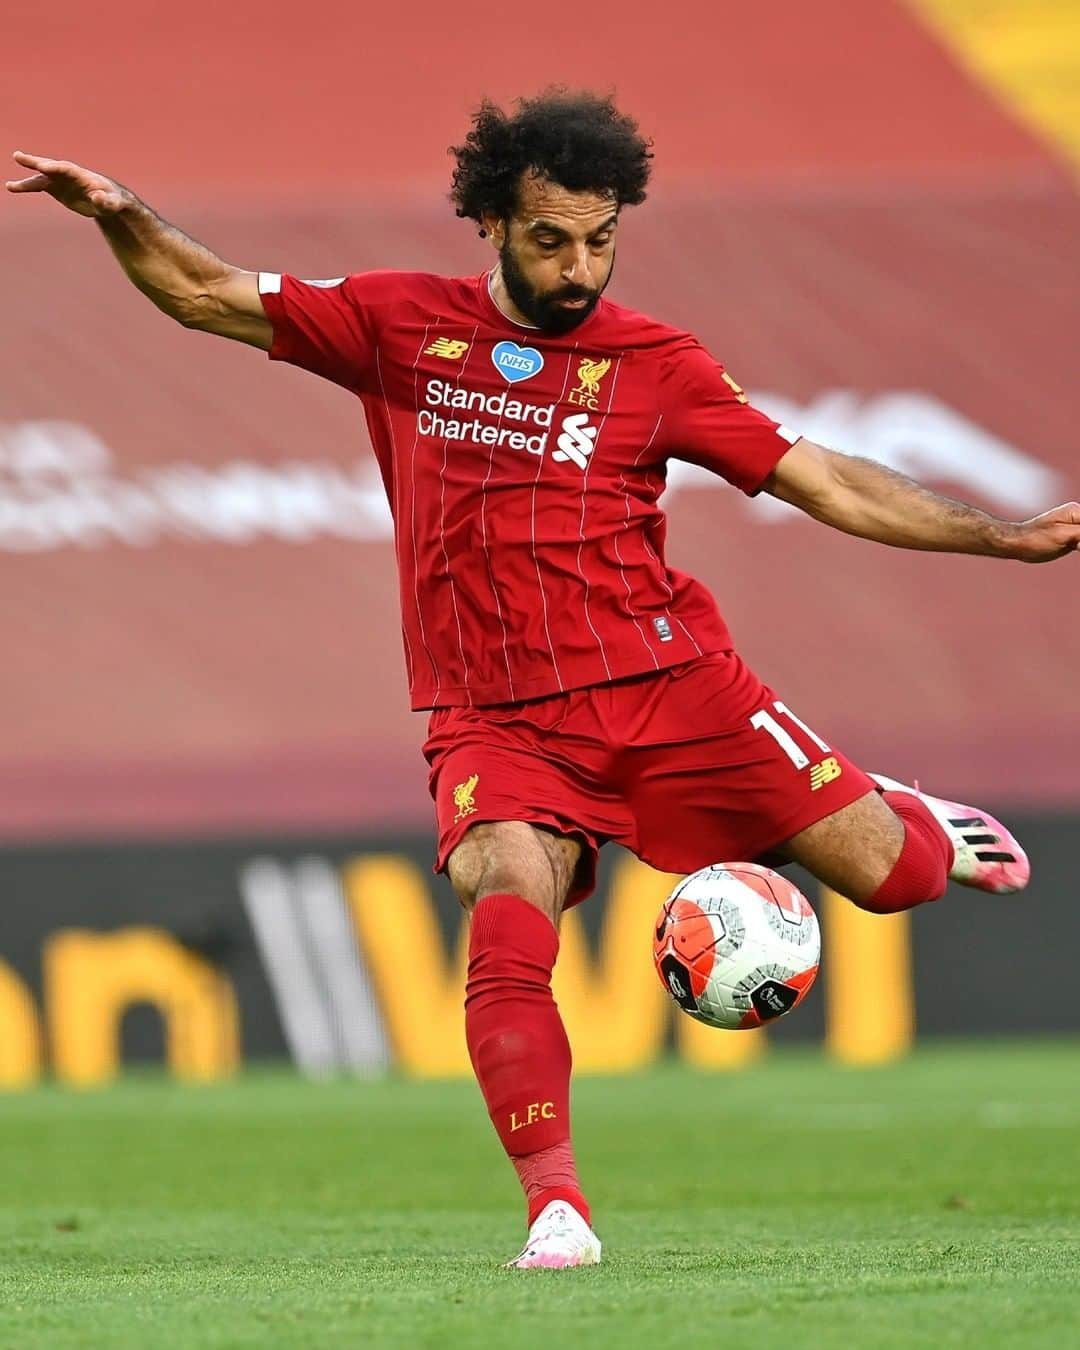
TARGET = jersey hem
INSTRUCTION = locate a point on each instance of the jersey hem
(585, 675)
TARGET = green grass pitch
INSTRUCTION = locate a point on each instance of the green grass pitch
(797, 1204)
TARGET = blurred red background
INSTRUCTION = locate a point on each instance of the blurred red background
(198, 638)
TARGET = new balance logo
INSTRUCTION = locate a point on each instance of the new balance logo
(452, 349)
(825, 772)
(576, 440)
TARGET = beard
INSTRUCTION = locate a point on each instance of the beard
(543, 308)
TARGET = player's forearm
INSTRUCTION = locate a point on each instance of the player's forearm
(178, 274)
(866, 499)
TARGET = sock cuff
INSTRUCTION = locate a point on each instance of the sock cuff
(921, 872)
(914, 812)
(510, 920)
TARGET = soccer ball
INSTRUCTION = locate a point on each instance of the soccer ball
(736, 945)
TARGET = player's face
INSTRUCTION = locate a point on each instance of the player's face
(556, 253)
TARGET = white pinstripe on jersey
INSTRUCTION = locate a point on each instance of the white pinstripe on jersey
(584, 494)
(660, 568)
(536, 559)
(487, 557)
(618, 554)
(412, 503)
(442, 506)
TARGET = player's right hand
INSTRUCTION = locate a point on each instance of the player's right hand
(80, 190)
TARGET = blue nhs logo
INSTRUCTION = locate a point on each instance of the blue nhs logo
(516, 363)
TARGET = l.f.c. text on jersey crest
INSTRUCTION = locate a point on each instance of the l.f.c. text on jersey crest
(590, 373)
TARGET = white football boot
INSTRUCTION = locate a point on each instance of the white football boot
(559, 1238)
(987, 855)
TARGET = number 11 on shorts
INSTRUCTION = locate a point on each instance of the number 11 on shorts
(765, 721)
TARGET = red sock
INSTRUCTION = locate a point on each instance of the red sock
(550, 1174)
(921, 872)
(518, 1045)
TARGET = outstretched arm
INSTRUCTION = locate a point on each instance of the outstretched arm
(181, 277)
(864, 498)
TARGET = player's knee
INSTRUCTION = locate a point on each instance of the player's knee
(512, 858)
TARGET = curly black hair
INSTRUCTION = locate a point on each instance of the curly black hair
(579, 140)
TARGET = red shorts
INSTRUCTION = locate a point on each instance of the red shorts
(685, 767)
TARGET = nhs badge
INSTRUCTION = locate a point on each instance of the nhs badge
(516, 363)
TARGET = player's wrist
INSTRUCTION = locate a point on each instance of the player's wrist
(129, 205)
(1004, 539)
(119, 206)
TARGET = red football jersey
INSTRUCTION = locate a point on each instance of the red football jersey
(523, 473)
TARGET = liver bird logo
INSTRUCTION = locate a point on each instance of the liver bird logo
(463, 797)
(590, 373)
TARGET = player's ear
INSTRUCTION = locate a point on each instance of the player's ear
(494, 227)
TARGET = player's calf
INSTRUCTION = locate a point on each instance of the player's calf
(884, 855)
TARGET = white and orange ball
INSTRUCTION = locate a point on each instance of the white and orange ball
(737, 945)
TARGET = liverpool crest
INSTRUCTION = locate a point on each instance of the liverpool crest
(590, 373)
(463, 797)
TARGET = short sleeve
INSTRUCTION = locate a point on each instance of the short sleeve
(327, 327)
(709, 421)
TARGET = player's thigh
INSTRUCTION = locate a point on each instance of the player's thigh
(516, 858)
(737, 774)
(749, 779)
(853, 850)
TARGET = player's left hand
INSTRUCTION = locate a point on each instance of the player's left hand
(1046, 537)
